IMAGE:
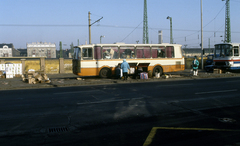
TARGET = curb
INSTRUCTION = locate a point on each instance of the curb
(62, 81)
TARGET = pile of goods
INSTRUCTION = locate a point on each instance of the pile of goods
(34, 77)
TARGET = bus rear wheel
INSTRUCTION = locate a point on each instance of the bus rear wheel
(105, 73)
(157, 69)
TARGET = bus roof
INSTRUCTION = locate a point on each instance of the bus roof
(234, 44)
(123, 44)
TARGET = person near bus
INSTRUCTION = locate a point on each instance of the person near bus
(118, 72)
(125, 67)
(195, 65)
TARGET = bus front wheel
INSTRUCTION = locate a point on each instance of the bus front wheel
(105, 73)
(157, 69)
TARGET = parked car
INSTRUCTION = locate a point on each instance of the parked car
(209, 60)
(209, 63)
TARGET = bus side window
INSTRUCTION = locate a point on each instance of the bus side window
(87, 53)
(170, 52)
(236, 51)
(97, 52)
(158, 52)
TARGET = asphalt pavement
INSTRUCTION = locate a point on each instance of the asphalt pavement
(69, 79)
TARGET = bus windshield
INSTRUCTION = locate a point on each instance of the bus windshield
(223, 50)
(77, 53)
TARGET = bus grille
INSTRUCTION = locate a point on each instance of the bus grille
(220, 63)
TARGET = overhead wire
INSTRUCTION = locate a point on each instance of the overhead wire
(132, 31)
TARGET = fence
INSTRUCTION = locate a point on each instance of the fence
(49, 66)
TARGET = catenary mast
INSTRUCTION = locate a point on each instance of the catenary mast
(145, 24)
(227, 36)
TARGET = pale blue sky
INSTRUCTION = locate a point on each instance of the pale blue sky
(26, 21)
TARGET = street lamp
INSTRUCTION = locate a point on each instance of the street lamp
(102, 36)
(171, 39)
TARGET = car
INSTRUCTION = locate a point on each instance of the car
(209, 68)
(209, 60)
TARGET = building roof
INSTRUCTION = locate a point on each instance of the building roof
(9, 45)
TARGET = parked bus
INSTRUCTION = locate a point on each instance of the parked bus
(102, 59)
(226, 56)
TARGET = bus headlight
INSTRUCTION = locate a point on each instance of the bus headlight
(229, 63)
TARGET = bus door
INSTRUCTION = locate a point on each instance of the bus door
(76, 61)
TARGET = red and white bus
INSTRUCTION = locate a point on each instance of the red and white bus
(102, 59)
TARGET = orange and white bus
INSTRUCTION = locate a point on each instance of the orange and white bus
(102, 59)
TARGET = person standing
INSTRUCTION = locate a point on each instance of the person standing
(125, 66)
(195, 65)
(118, 72)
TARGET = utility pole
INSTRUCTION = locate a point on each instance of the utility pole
(227, 37)
(61, 51)
(145, 24)
(89, 26)
(201, 35)
(72, 49)
(171, 36)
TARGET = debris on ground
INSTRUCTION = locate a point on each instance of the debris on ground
(165, 76)
(34, 77)
(4, 83)
(2, 74)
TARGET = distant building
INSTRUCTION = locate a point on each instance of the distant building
(15, 53)
(6, 50)
(40, 49)
(21, 52)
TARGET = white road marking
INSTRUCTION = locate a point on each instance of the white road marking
(174, 85)
(117, 100)
(91, 91)
(233, 81)
(217, 91)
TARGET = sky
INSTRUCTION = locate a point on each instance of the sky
(27, 21)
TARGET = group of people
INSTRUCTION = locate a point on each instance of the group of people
(125, 67)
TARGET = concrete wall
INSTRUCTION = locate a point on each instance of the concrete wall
(56, 66)
(50, 66)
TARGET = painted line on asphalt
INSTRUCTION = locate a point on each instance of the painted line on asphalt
(78, 92)
(98, 102)
(153, 132)
(222, 91)
(174, 85)
(233, 81)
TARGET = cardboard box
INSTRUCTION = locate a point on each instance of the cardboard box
(8, 76)
(38, 77)
(217, 71)
(2, 66)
